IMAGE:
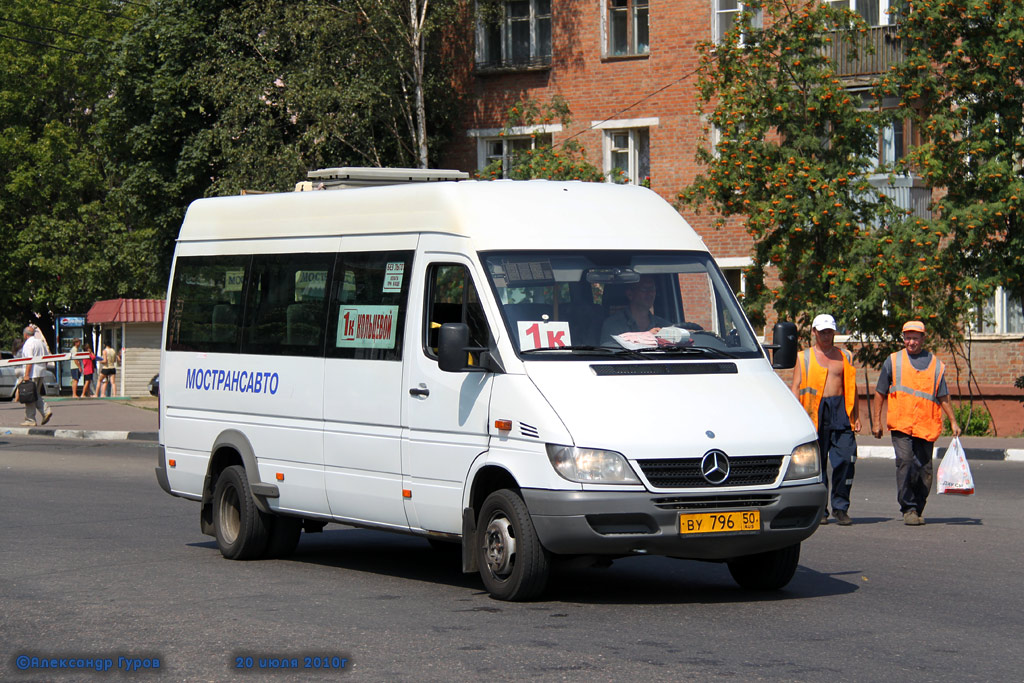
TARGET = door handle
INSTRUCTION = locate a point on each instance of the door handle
(419, 391)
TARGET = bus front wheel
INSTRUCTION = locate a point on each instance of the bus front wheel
(513, 563)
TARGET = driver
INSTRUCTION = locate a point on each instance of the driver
(637, 316)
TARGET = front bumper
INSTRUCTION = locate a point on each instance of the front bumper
(627, 523)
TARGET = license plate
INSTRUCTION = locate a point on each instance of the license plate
(719, 522)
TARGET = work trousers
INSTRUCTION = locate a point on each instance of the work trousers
(913, 471)
(838, 446)
(31, 408)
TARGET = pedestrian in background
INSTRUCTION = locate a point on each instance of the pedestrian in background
(108, 374)
(76, 367)
(825, 384)
(88, 369)
(33, 348)
(913, 380)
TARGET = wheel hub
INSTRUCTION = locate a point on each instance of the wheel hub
(499, 546)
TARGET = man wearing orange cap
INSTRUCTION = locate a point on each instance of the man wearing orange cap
(914, 382)
(825, 384)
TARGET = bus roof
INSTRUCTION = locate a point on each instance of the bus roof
(502, 214)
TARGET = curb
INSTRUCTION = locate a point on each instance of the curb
(92, 434)
(887, 453)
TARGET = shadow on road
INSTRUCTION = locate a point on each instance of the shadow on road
(631, 580)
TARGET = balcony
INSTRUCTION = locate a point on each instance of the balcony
(499, 66)
(857, 61)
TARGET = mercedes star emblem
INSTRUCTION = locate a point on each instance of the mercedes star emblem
(715, 467)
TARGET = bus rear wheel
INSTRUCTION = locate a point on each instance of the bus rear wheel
(241, 529)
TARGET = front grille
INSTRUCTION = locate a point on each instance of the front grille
(684, 473)
(732, 502)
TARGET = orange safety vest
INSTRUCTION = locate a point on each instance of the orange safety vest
(812, 383)
(913, 407)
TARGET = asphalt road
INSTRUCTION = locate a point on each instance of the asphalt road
(99, 563)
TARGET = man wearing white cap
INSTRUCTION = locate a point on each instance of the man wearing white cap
(914, 382)
(825, 384)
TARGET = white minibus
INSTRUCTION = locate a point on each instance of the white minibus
(536, 370)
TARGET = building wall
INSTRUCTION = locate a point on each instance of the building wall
(661, 85)
(598, 88)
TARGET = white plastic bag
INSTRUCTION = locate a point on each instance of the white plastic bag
(954, 474)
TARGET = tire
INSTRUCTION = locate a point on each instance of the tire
(240, 528)
(766, 571)
(513, 564)
(283, 536)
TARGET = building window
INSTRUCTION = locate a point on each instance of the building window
(627, 156)
(1002, 314)
(627, 28)
(873, 12)
(519, 37)
(498, 153)
(732, 269)
(897, 137)
(726, 15)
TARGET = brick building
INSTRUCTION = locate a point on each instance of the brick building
(627, 70)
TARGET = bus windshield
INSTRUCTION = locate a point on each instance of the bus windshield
(618, 304)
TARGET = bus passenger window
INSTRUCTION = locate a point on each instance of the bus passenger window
(368, 301)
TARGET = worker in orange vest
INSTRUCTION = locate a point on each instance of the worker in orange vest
(825, 384)
(914, 382)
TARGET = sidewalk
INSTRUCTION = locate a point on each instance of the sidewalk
(136, 418)
(975, 447)
(87, 418)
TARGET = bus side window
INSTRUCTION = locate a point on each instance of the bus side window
(368, 286)
(206, 304)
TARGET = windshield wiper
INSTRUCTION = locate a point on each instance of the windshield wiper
(602, 350)
(689, 350)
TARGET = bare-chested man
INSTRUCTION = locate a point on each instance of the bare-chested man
(825, 384)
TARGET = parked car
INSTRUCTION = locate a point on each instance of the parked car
(10, 375)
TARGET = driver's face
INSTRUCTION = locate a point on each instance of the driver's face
(642, 292)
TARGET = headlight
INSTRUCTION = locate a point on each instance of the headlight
(804, 462)
(588, 465)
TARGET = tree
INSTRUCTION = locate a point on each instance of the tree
(961, 86)
(402, 29)
(567, 161)
(62, 248)
(213, 97)
(794, 153)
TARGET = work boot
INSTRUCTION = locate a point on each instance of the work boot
(911, 518)
(842, 518)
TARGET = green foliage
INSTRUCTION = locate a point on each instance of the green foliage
(794, 153)
(565, 162)
(216, 97)
(960, 84)
(973, 419)
(63, 248)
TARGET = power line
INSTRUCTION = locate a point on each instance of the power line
(623, 111)
(56, 30)
(106, 13)
(54, 47)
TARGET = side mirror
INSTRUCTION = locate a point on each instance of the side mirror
(785, 346)
(452, 346)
